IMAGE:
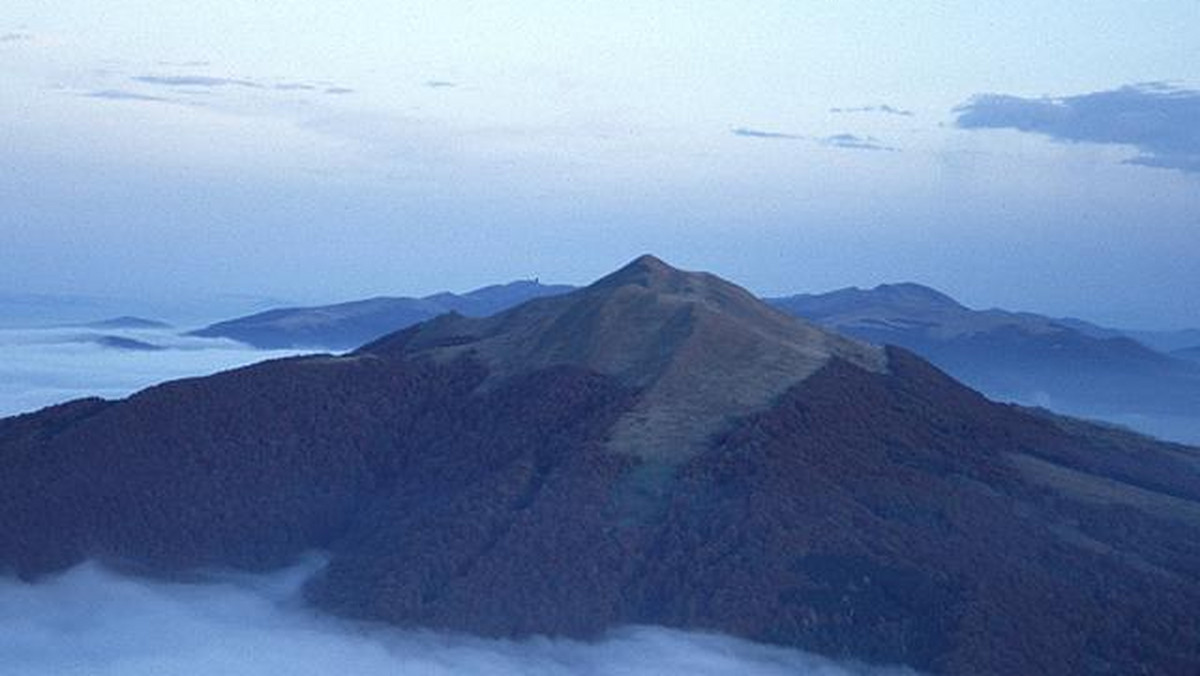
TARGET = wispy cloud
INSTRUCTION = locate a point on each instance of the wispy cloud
(195, 81)
(214, 82)
(123, 95)
(882, 108)
(1160, 120)
(855, 142)
(185, 64)
(440, 84)
(759, 133)
(294, 87)
(845, 141)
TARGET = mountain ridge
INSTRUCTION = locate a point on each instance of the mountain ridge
(681, 318)
(348, 325)
(1192, 353)
(1071, 366)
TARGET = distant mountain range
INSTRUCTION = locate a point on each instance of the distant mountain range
(1192, 353)
(1163, 341)
(1069, 365)
(348, 325)
(659, 447)
(122, 343)
(126, 322)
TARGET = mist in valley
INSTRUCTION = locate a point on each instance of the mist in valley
(45, 366)
(95, 622)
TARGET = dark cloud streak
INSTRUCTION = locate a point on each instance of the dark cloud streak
(294, 87)
(882, 108)
(122, 95)
(844, 141)
(853, 142)
(746, 132)
(195, 81)
(185, 64)
(208, 82)
(1161, 121)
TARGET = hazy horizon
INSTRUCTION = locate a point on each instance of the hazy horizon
(1021, 156)
(35, 309)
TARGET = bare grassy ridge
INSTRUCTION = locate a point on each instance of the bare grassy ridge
(700, 349)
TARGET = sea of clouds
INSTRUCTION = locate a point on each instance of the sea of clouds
(44, 366)
(94, 622)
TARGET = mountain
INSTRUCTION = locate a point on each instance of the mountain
(123, 343)
(1013, 355)
(348, 325)
(1168, 341)
(1163, 341)
(1074, 366)
(660, 448)
(1192, 353)
(126, 322)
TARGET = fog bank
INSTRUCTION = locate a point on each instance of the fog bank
(42, 367)
(95, 622)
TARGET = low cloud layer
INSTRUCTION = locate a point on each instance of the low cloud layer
(1182, 429)
(1161, 121)
(94, 622)
(42, 367)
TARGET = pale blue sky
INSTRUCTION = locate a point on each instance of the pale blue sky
(321, 151)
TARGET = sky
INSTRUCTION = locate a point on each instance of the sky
(1026, 155)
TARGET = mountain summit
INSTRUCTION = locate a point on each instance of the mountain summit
(656, 448)
(697, 348)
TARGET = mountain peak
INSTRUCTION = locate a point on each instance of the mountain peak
(913, 293)
(645, 270)
(697, 347)
(648, 276)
